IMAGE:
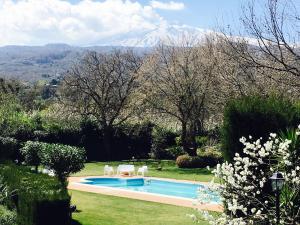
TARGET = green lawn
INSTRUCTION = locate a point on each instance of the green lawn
(97, 209)
(169, 170)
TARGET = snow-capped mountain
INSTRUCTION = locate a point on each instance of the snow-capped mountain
(50, 61)
(152, 37)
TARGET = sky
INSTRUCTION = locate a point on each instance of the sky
(90, 22)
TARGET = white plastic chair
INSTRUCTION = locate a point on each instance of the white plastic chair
(108, 170)
(126, 169)
(142, 170)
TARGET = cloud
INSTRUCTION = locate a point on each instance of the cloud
(86, 22)
(167, 6)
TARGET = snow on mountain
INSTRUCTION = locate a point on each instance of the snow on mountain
(157, 35)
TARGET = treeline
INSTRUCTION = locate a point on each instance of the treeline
(182, 85)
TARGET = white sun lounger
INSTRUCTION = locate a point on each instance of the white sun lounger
(126, 169)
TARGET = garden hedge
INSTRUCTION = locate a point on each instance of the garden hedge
(257, 116)
(38, 198)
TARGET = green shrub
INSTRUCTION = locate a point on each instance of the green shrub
(63, 159)
(200, 141)
(38, 198)
(8, 148)
(31, 152)
(203, 160)
(7, 217)
(162, 140)
(186, 161)
(173, 152)
(257, 116)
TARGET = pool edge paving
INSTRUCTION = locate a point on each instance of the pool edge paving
(75, 184)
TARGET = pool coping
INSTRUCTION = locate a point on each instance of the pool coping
(75, 184)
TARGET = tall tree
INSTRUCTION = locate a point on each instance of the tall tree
(103, 86)
(271, 46)
(180, 79)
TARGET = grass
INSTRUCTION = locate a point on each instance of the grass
(97, 209)
(169, 170)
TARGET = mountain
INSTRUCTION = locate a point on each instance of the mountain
(32, 63)
(160, 34)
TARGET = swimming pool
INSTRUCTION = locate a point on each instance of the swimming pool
(154, 186)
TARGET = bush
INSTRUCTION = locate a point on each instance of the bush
(174, 151)
(31, 152)
(211, 156)
(257, 116)
(200, 141)
(7, 217)
(162, 140)
(8, 148)
(63, 159)
(204, 160)
(38, 198)
(186, 161)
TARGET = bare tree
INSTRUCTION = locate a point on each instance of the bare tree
(271, 48)
(180, 79)
(102, 86)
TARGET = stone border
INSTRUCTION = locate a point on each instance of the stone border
(74, 184)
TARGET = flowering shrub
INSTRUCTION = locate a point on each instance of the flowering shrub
(245, 186)
(63, 159)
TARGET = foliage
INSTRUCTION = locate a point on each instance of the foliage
(173, 152)
(245, 185)
(186, 161)
(31, 152)
(211, 151)
(162, 140)
(8, 148)
(38, 198)
(63, 159)
(200, 141)
(12, 115)
(7, 217)
(256, 116)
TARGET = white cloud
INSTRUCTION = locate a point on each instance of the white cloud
(88, 22)
(167, 6)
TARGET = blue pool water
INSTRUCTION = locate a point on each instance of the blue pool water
(177, 189)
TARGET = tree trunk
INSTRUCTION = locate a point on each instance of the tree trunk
(188, 140)
(183, 137)
(107, 132)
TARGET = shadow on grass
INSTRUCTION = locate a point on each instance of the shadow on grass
(75, 222)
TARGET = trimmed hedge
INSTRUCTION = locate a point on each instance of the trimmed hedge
(256, 116)
(38, 198)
